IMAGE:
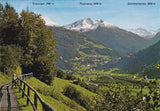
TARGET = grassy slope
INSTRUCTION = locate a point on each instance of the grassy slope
(59, 84)
(4, 79)
(49, 93)
(55, 103)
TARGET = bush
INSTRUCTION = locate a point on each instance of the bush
(62, 75)
(77, 96)
(10, 58)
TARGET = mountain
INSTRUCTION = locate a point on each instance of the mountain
(141, 60)
(156, 38)
(48, 21)
(112, 36)
(121, 40)
(76, 51)
(85, 25)
(158, 30)
(143, 32)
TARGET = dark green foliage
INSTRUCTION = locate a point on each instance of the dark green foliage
(36, 42)
(62, 75)
(83, 84)
(77, 96)
(120, 98)
(152, 71)
(39, 45)
(10, 58)
(10, 52)
(114, 99)
(43, 70)
(9, 26)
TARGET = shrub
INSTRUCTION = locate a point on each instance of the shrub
(77, 96)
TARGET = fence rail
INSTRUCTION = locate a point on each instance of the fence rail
(20, 83)
(25, 76)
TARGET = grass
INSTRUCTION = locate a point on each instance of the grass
(53, 95)
(23, 100)
(60, 84)
(4, 79)
(84, 54)
(59, 106)
(96, 45)
(83, 68)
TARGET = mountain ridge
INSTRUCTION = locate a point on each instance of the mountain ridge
(76, 49)
(143, 32)
(119, 39)
(87, 24)
(48, 21)
(141, 60)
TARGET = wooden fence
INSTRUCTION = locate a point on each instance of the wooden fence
(20, 83)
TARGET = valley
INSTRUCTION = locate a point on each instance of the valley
(88, 65)
(120, 90)
(120, 67)
(99, 46)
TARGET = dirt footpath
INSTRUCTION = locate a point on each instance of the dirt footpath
(8, 99)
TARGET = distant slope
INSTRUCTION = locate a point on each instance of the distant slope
(119, 39)
(156, 38)
(142, 59)
(76, 49)
(143, 32)
(48, 21)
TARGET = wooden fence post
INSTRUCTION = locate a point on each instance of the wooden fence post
(35, 100)
(24, 87)
(20, 86)
(28, 94)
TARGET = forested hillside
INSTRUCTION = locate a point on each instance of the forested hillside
(77, 50)
(156, 38)
(121, 40)
(141, 60)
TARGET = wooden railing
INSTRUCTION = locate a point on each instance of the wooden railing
(25, 76)
(20, 83)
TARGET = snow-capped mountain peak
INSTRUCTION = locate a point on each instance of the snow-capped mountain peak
(48, 21)
(143, 32)
(87, 24)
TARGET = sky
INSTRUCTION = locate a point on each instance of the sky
(125, 14)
